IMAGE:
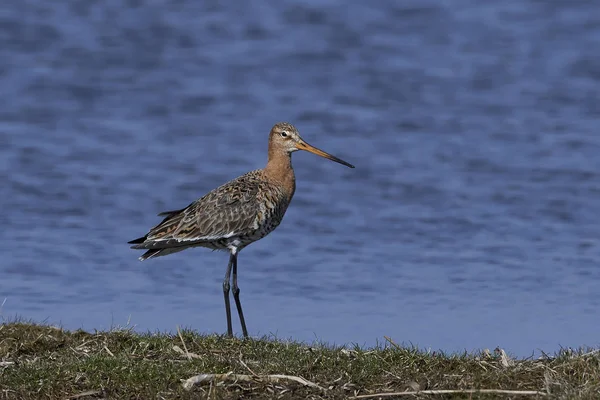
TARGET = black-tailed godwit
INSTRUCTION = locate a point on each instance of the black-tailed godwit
(235, 214)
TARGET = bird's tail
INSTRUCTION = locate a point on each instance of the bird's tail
(153, 253)
(137, 241)
(140, 243)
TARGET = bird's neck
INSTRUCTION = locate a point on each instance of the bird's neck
(279, 169)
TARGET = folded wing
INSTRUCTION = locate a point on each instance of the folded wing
(228, 211)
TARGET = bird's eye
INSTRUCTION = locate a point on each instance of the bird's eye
(284, 134)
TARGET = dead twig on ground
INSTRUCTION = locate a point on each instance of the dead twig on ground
(208, 378)
(453, 391)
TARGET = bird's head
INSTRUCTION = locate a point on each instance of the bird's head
(284, 137)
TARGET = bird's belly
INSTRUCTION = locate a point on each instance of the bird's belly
(240, 241)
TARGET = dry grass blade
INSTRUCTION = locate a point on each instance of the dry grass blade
(187, 353)
(247, 367)
(208, 378)
(110, 353)
(450, 391)
(390, 341)
(83, 394)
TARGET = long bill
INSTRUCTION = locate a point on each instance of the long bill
(312, 149)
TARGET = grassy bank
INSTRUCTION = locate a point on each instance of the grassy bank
(46, 362)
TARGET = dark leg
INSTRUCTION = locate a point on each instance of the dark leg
(226, 295)
(236, 297)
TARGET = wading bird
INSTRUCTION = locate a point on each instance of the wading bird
(235, 214)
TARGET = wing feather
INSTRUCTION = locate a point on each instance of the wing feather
(229, 210)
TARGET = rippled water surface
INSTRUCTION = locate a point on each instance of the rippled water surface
(470, 221)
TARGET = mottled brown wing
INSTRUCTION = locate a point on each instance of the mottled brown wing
(229, 210)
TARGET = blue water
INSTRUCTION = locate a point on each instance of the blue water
(470, 221)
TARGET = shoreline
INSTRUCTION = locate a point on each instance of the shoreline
(40, 361)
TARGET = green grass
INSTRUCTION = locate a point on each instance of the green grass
(43, 362)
